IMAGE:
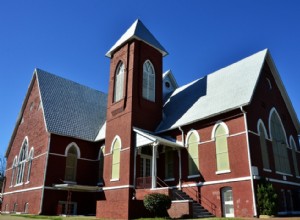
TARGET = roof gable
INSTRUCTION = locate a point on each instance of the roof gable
(137, 31)
(71, 109)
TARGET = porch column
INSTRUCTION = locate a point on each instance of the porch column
(154, 173)
(180, 174)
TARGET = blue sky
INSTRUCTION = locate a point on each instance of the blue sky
(70, 39)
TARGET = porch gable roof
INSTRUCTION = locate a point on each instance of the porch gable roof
(144, 138)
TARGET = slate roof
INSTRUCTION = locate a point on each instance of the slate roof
(71, 109)
(137, 31)
(223, 90)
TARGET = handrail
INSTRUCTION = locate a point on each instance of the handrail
(162, 183)
(201, 199)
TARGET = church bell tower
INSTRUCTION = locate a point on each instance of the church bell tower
(134, 101)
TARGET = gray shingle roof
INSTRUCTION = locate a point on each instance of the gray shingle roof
(137, 31)
(71, 109)
(223, 90)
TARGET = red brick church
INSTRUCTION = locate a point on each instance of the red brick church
(207, 144)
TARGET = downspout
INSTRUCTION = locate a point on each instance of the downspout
(182, 136)
(250, 162)
(179, 157)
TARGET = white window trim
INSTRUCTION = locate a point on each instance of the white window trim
(77, 149)
(221, 123)
(223, 172)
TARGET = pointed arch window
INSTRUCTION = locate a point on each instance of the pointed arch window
(71, 163)
(14, 167)
(116, 154)
(22, 162)
(263, 144)
(30, 158)
(101, 163)
(119, 82)
(295, 162)
(279, 143)
(148, 81)
(222, 157)
(192, 145)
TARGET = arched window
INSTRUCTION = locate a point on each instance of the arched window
(263, 144)
(15, 207)
(14, 167)
(295, 162)
(192, 145)
(148, 81)
(71, 162)
(30, 158)
(279, 143)
(101, 162)
(22, 162)
(116, 150)
(220, 133)
(26, 205)
(119, 82)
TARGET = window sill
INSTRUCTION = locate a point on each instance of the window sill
(169, 179)
(193, 176)
(19, 184)
(27, 182)
(284, 174)
(267, 170)
(298, 177)
(70, 182)
(114, 180)
(223, 172)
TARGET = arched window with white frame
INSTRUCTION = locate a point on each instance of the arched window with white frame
(101, 164)
(30, 158)
(116, 156)
(279, 143)
(263, 144)
(22, 161)
(14, 167)
(119, 82)
(148, 81)
(193, 140)
(220, 134)
(295, 161)
(72, 154)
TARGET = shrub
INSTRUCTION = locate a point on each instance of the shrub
(266, 198)
(158, 204)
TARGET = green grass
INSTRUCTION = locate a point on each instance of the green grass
(43, 217)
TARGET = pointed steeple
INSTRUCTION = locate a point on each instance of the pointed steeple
(138, 31)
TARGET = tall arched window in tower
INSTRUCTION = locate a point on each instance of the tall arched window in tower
(220, 135)
(22, 162)
(116, 150)
(30, 158)
(263, 144)
(279, 143)
(192, 145)
(71, 163)
(119, 82)
(148, 81)
(295, 162)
